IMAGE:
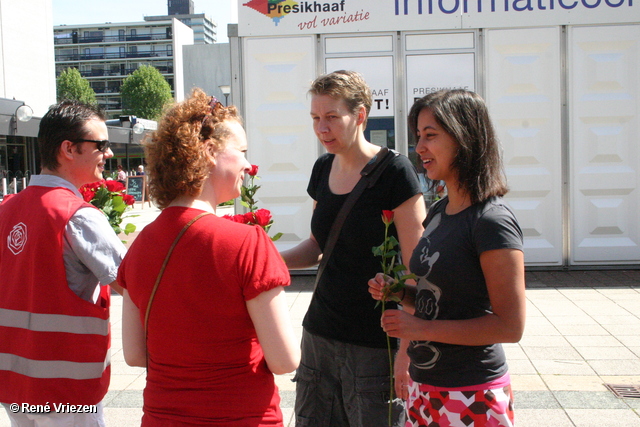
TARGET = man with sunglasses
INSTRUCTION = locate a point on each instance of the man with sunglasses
(58, 262)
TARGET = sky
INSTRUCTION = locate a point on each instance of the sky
(74, 12)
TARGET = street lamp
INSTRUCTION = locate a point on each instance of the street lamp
(226, 90)
(138, 128)
(23, 113)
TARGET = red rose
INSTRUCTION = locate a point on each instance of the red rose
(235, 218)
(114, 186)
(387, 217)
(128, 199)
(87, 195)
(240, 218)
(249, 218)
(262, 217)
(92, 186)
(254, 170)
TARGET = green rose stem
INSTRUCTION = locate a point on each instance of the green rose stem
(387, 270)
(388, 253)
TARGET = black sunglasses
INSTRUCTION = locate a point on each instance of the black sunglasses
(103, 144)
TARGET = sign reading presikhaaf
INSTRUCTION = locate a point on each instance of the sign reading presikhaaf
(289, 17)
(430, 73)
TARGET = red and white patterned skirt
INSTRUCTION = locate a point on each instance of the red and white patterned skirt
(428, 407)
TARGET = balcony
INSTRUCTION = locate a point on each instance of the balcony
(110, 105)
(116, 73)
(114, 55)
(109, 90)
(95, 73)
(109, 39)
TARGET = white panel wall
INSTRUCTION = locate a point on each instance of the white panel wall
(605, 161)
(523, 91)
(377, 71)
(277, 75)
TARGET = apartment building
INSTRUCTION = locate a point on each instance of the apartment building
(204, 28)
(105, 54)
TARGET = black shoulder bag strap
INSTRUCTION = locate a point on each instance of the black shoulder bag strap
(369, 175)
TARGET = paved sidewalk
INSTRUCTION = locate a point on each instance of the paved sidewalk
(582, 332)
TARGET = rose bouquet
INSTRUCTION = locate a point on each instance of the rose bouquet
(110, 197)
(255, 216)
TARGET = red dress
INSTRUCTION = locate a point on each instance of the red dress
(206, 366)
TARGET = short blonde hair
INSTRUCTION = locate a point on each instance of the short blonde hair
(346, 85)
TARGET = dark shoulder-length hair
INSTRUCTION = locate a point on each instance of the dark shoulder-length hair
(177, 154)
(464, 116)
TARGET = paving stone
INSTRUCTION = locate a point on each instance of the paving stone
(589, 400)
(535, 400)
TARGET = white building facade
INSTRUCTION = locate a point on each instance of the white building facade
(105, 54)
(27, 83)
(27, 68)
(561, 78)
(205, 29)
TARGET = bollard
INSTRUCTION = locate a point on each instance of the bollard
(4, 187)
(15, 186)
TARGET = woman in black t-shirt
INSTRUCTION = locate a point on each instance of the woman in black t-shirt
(470, 293)
(343, 378)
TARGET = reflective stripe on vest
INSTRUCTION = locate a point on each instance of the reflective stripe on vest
(53, 322)
(53, 368)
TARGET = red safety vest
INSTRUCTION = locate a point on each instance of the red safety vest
(54, 346)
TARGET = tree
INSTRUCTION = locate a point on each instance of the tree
(71, 85)
(145, 93)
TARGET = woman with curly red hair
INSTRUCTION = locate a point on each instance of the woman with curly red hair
(204, 305)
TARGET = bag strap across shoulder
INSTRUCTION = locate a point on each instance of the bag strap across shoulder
(369, 175)
(164, 265)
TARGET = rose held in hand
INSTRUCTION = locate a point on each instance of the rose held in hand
(387, 217)
(397, 278)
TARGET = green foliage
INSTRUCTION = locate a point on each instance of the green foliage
(145, 93)
(113, 207)
(247, 196)
(71, 85)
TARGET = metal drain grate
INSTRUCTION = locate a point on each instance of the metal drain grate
(625, 391)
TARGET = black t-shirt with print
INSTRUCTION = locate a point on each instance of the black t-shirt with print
(451, 286)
